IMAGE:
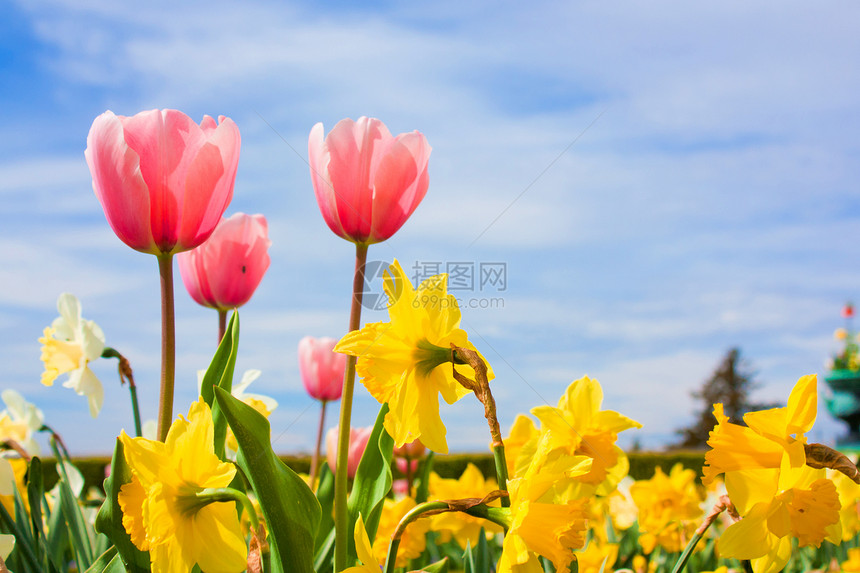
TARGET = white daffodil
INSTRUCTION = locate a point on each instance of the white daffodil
(238, 391)
(20, 421)
(262, 404)
(68, 346)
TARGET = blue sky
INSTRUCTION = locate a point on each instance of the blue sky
(662, 182)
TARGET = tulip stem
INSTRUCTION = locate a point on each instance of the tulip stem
(222, 324)
(315, 460)
(341, 516)
(168, 345)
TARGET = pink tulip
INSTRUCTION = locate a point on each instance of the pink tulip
(163, 181)
(366, 181)
(410, 450)
(400, 487)
(224, 272)
(406, 466)
(358, 438)
(322, 370)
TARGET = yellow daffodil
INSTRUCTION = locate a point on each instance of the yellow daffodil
(68, 347)
(523, 432)
(261, 403)
(412, 542)
(553, 530)
(768, 435)
(162, 511)
(12, 473)
(776, 505)
(465, 528)
(20, 421)
(669, 508)
(579, 427)
(853, 563)
(777, 495)
(597, 557)
(406, 362)
(622, 508)
(364, 549)
(849, 497)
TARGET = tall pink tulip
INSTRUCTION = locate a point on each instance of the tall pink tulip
(321, 368)
(163, 181)
(367, 182)
(224, 272)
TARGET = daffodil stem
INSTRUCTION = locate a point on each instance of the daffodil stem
(222, 324)
(501, 471)
(220, 494)
(480, 386)
(688, 550)
(168, 345)
(723, 504)
(125, 374)
(315, 459)
(56, 438)
(412, 515)
(341, 516)
(473, 507)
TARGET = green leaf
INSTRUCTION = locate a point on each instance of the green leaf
(58, 539)
(109, 518)
(108, 562)
(325, 495)
(220, 374)
(438, 567)
(483, 560)
(35, 493)
(324, 557)
(372, 482)
(469, 560)
(290, 508)
(77, 525)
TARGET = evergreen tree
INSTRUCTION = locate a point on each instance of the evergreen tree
(731, 384)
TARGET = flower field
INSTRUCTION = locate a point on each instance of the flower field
(202, 488)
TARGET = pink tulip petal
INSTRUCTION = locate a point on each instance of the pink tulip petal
(209, 188)
(318, 159)
(225, 270)
(367, 183)
(167, 142)
(322, 370)
(194, 279)
(400, 184)
(356, 150)
(241, 263)
(118, 183)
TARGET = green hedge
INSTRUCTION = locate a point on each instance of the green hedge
(642, 465)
